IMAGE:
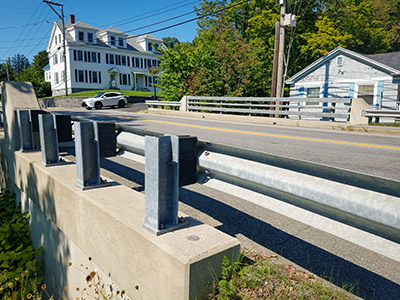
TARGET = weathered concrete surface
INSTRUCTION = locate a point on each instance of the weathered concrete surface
(106, 225)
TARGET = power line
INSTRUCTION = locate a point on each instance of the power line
(145, 15)
(32, 39)
(37, 45)
(25, 25)
(163, 21)
(37, 30)
(187, 21)
(11, 47)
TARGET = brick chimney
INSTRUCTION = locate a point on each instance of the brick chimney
(72, 19)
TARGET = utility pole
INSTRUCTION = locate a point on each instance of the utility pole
(8, 75)
(275, 64)
(279, 83)
(50, 3)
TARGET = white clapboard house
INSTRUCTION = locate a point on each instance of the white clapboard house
(100, 59)
(346, 74)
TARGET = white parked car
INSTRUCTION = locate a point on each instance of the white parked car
(109, 99)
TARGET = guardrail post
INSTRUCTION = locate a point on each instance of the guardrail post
(105, 135)
(87, 156)
(161, 184)
(48, 140)
(25, 130)
(35, 113)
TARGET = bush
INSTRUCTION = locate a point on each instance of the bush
(19, 267)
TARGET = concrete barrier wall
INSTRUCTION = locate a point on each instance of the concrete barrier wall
(106, 225)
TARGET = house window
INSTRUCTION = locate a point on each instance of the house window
(55, 59)
(112, 40)
(80, 55)
(339, 61)
(123, 62)
(98, 58)
(112, 59)
(121, 42)
(149, 47)
(313, 92)
(366, 92)
(94, 57)
(124, 80)
(80, 36)
(56, 80)
(157, 45)
(137, 62)
(94, 77)
(90, 37)
(81, 77)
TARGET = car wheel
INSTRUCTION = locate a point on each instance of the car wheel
(98, 105)
(121, 104)
(88, 108)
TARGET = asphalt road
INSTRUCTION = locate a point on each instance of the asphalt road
(370, 275)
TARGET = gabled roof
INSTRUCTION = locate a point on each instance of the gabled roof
(391, 59)
(377, 61)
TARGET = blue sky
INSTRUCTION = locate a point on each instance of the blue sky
(16, 38)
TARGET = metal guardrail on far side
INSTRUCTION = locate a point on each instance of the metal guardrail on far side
(326, 109)
(382, 113)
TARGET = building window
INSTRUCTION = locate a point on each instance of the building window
(94, 77)
(55, 59)
(121, 42)
(313, 92)
(98, 58)
(80, 55)
(90, 37)
(366, 92)
(137, 62)
(112, 40)
(81, 77)
(112, 59)
(94, 57)
(339, 61)
(56, 80)
(124, 79)
(149, 47)
(123, 60)
(80, 36)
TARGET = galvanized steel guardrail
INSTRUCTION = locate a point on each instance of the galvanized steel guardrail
(360, 200)
(323, 108)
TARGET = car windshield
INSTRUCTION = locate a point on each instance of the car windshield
(98, 95)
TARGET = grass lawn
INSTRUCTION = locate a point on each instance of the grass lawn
(94, 92)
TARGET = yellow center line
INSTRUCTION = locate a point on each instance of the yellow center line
(264, 134)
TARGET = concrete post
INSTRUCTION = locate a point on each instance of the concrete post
(48, 140)
(161, 184)
(87, 155)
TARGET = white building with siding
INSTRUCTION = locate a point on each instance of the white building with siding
(346, 74)
(100, 59)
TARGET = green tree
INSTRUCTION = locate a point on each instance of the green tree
(170, 42)
(35, 75)
(19, 62)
